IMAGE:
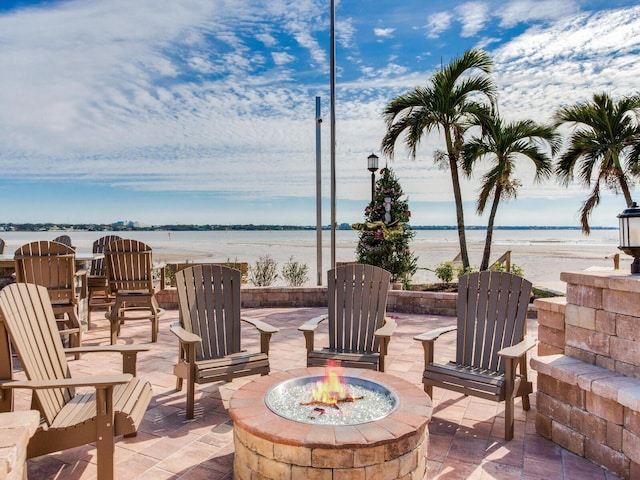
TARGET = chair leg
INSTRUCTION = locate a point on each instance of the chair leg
(429, 390)
(105, 432)
(508, 419)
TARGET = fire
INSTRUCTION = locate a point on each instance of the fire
(332, 389)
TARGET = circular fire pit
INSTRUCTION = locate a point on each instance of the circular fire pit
(392, 445)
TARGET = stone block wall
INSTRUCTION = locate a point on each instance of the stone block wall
(588, 398)
(434, 303)
(590, 411)
(602, 320)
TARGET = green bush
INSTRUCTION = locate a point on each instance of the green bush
(500, 267)
(295, 273)
(444, 271)
(264, 271)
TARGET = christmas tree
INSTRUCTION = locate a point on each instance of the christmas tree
(384, 237)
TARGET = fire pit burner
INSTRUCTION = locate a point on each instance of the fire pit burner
(368, 401)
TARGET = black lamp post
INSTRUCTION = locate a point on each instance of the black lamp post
(630, 235)
(372, 166)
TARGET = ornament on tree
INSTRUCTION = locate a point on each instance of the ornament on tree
(387, 210)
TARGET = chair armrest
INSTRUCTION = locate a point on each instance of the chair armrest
(184, 335)
(97, 381)
(129, 354)
(387, 329)
(263, 327)
(312, 324)
(433, 335)
(109, 348)
(519, 349)
(265, 330)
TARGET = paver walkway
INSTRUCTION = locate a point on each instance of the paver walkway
(466, 434)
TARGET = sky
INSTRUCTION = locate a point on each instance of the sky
(203, 111)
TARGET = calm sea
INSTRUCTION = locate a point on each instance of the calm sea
(539, 252)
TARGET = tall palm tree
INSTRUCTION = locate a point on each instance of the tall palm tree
(443, 105)
(604, 147)
(503, 145)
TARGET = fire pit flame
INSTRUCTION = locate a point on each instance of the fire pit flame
(331, 389)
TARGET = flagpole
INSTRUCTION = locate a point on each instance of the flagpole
(332, 77)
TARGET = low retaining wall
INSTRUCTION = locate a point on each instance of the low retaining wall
(588, 398)
(434, 303)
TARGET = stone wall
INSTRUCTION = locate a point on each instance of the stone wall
(434, 303)
(588, 398)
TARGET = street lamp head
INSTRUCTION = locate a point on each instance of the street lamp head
(372, 162)
(630, 234)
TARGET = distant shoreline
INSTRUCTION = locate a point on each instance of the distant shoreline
(134, 226)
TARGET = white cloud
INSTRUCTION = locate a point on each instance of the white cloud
(473, 16)
(524, 11)
(437, 24)
(282, 58)
(384, 32)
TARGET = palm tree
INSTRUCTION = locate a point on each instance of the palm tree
(502, 144)
(604, 147)
(443, 105)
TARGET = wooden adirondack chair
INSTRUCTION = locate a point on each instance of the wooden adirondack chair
(209, 331)
(2, 246)
(52, 265)
(359, 332)
(491, 343)
(63, 239)
(97, 281)
(68, 419)
(130, 275)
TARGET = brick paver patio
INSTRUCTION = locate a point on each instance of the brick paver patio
(466, 434)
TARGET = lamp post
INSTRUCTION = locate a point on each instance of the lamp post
(630, 235)
(372, 166)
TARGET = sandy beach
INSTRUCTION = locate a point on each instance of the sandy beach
(543, 255)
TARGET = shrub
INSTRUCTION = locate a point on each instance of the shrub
(264, 271)
(444, 271)
(500, 267)
(295, 273)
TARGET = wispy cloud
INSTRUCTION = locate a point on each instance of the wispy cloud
(473, 16)
(438, 23)
(384, 32)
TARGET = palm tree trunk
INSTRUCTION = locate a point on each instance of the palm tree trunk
(457, 194)
(488, 239)
(624, 186)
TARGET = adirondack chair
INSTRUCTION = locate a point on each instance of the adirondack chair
(52, 265)
(359, 332)
(63, 239)
(209, 331)
(97, 281)
(491, 343)
(2, 246)
(130, 276)
(69, 419)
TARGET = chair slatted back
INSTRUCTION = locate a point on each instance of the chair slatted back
(209, 298)
(2, 246)
(28, 317)
(357, 306)
(63, 239)
(492, 314)
(50, 264)
(129, 266)
(98, 265)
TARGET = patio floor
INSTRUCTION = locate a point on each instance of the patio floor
(466, 434)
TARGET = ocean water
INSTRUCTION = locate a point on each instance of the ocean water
(542, 253)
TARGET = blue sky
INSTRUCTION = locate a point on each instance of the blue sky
(202, 111)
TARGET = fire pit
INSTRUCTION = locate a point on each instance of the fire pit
(368, 425)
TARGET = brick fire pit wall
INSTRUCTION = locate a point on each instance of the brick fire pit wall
(268, 446)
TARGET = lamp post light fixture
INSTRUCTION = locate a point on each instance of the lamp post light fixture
(372, 166)
(630, 235)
